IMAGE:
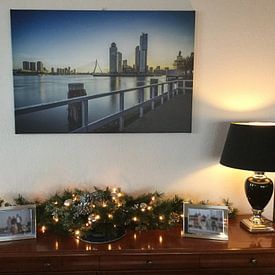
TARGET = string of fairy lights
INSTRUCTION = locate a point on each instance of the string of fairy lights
(108, 212)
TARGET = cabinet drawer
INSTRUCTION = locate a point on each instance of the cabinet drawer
(79, 263)
(148, 262)
(237, 260)
(25, 264)
(48, 264)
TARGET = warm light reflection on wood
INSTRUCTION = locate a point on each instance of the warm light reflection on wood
(88, 247)
(109, 247)
(56, 245)
(160, 239)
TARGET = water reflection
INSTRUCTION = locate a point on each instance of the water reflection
(31, 90)
(115, 83)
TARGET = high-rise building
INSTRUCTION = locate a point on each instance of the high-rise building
(119, 62)
(143, 47)
(33, 66)
(26, 65)
(137, 59)
(179, 63)
(113, 58)
(39, 66)
(124, 65)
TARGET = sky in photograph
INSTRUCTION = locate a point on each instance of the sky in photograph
(78, 38)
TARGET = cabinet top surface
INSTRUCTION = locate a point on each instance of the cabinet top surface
(152, 241)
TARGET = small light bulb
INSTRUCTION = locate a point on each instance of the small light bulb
(74, 197)
(134, 219)
(161, 218)
(68, 202)
(43, 229)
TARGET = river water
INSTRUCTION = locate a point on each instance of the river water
(32, 90)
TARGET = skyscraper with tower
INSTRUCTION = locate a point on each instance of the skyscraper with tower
(143, 47)
(113, 58)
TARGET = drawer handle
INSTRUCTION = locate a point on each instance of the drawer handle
(253, 261)
(149, 262)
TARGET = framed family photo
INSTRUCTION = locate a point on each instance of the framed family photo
(205, 221)
(17, 222)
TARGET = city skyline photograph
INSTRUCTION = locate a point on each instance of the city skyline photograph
(79, 71)
(77, 39)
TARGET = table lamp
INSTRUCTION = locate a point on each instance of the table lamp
(251, 146)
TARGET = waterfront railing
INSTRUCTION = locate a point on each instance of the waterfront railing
(159, 92)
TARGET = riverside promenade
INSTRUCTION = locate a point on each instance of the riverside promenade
(172, 117)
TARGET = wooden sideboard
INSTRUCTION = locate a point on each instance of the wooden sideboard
(149, 252)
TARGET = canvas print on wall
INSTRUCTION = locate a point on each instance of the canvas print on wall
(102, 71)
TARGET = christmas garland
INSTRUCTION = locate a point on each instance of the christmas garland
(104, 215)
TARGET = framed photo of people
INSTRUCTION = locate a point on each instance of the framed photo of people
(17, 222)
(205, 221)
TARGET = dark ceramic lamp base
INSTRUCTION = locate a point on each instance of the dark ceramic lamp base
(258, 190)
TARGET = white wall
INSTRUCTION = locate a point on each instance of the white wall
(234, 67)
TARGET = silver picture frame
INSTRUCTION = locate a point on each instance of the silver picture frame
(17, 222)
(205, 221)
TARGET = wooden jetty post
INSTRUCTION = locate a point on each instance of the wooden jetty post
(77, 111)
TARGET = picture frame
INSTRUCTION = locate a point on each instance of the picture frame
(205, 221)
(17, 222)
(103, 78)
